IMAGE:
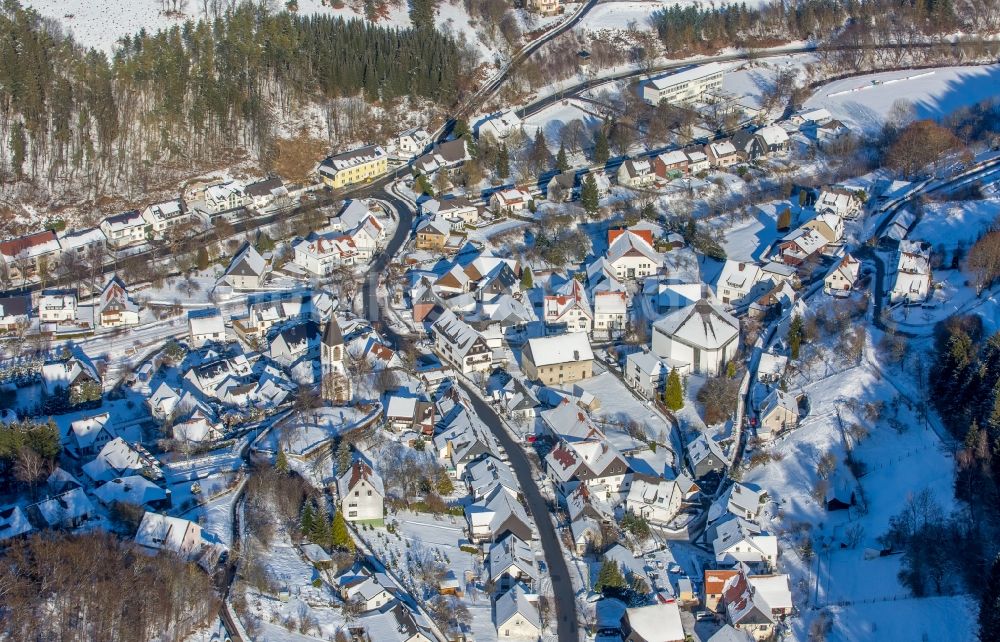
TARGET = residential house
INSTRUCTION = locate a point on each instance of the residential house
(13, 523)
(746, 500)
(321, 254)
(134, 490)
(370, 591)
(654, 499)
(432, 234)
(518, 401)
(714, 586)
(247, 270)
(646, 373)
(773, 139)
(26, 256)
(205, 326)
(114, 307)
(748, 145)
(558, 359)
(124, 230)
(488, 473)
(737, 281)
(463, 442)
(722, 154)
(779, 412)
(496, 515)
(294, 342)
(754, 606)
(842, 201)
(115, 459)
(411, 142)
(89, 435)
(912, 283)
(515, 615)
(161, 532)
(74, 376)
(225, 196)
(800, 245)
(546, 7)
(444, 155)
(568, 309)
(57, 306)
(362, 493)
(685, 86)
(393, 622)
(842, 279)
(409, 413)
(631, 255)
(510, 200)
(702, 335)
(81, 245)
(771, 368)
(160, 218)
(499, 125)
(15, 312)
(610, 314)
(697, 160)
(705, 457)
(265, 193)
(671, 164)
(659, 622)
(636, 173)
(561, 188)
(829, 225)
(355, 166)
(740, 541)
(510, 561)
(65, 510)
(460, 345)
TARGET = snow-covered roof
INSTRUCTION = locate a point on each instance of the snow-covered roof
(687, 75)
(206, 322)
(247, 262)
(86, 430)
(656, 621)
(513, 602)
(610, 303)
(359, 471)
(164, 532)
(702, 325)
(722, 149)
(13, 522)
(133, 489)
(81, 238)
(562, 348)
(736, 530)
(352, 158)
(673, 157)
(647, 363)
(739, 275)
(914, 257)
(775, 589)
(772, 365)
(701, 447)
(779, 399)
(773, 135)
(630, 243)
(66, 507)
(509, 552)
(115, 458)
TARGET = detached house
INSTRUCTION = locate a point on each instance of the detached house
(265, 193)
(558, 359)
(631, 254)
(362, 493)
(510, 200)
(161, 532)
(163, 217)
(444, 155)
(225, 196)
(497, 515)
(721, 154)
(247, 270)
(499, 125)
(646, 373)
(636, 173)
(124, 230)
(511, 560)
(568, 309)
(15, 312)
(654, 623)
(738, 540)
(913, 273)
(654, 499)
(515, 615)
(115, 308)
(205, 326)
(57, 306)
(841, 281)
(779, 412)
(460, 345)
(27, 255)
(841, 201)
(432, 234)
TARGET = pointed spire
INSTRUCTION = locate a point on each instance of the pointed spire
(332, 335)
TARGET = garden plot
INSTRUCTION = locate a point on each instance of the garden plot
(619, 408)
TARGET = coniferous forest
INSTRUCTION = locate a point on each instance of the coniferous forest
(194, 94)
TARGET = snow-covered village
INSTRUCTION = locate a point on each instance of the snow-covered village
(440, 321)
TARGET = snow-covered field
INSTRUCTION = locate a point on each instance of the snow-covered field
(101, 23)
(947, 226)
(623, 15)
(864, 102)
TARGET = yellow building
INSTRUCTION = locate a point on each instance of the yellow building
(356, 166)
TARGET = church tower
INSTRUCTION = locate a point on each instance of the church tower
(335, 386)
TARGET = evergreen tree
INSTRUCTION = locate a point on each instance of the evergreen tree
(673, 396)
(609, 577)
(602, 152)
(648, 212)
(795, 331)
(503, 162)
(320, 530)
(989, 606)
(784, 219)
(307, 519)
(589, 198)
(281, 463)
(443, 484)
(343, 457)
(562, 163)
(340, 537)
(201, 260)
(423, 186)
(527, 279)
(539, 156)
(422, 13)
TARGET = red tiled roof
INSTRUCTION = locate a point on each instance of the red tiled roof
(13, 247)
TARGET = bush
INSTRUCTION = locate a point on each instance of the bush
(720, 398)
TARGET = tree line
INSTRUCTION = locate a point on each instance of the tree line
(194, 95)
